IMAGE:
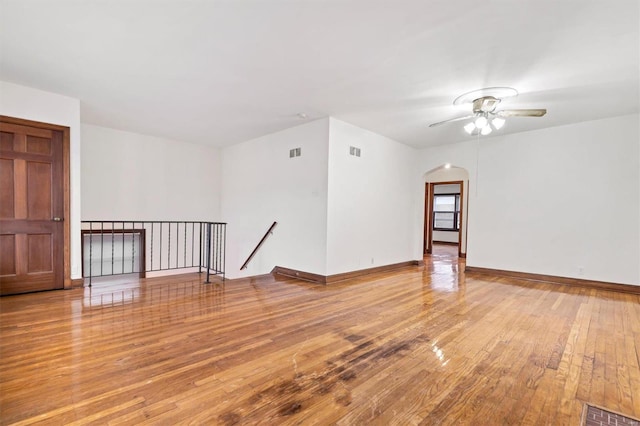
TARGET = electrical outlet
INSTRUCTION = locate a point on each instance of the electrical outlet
(580, 270)
(372, 260)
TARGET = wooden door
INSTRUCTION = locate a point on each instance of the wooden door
(31, 209)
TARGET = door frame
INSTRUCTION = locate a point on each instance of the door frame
(66, 187)
(428, 215)
(427, 235)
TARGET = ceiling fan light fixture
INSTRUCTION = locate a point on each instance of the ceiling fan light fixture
(497, 123)
(484, 110)
(481, 122)
(469, 127)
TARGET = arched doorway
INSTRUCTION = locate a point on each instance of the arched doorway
(446, 207)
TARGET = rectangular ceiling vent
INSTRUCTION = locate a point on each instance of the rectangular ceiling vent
(354, 151)
(295, 152)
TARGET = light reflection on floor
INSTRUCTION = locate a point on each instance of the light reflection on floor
(128, 289)
(445, 268)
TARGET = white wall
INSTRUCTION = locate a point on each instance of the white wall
(445, 237)
(336, 212)
(444, 188)
(131, 176)
(32, 104)
(261, 184)
(371, 204)
(526, 182)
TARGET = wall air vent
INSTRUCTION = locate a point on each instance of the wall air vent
(354, 151)
(295, 152)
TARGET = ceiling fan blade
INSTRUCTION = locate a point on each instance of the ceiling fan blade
(451, 120)
(521, 112)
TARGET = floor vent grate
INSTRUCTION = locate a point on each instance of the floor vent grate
(596, 416)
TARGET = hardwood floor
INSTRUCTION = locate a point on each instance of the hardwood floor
(421, 345)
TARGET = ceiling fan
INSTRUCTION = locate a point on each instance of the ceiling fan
(484, 110)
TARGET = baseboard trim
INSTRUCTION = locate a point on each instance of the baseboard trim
(330, 279)
(576, 282)
(385, 268)
(77, 282)
(301, 275)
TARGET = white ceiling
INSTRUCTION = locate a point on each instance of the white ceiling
(221, 72)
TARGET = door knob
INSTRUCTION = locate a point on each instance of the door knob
(57, 219)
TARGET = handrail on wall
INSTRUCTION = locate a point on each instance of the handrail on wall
(255, 250)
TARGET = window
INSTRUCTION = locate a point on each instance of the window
(446, 212)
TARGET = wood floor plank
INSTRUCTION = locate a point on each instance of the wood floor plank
(419, 345)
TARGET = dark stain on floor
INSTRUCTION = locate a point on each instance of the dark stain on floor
(288, 397)
(230, 418)
(290, 408)
(343, 397)
(347, 376)
(353, 338)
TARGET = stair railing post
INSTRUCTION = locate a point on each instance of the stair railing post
(200, 251)
(90, 251)
(208, 252)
